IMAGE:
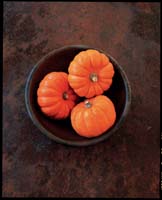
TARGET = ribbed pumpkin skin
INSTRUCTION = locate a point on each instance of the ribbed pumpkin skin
(54, 95)
(93, 117)
(90, 73)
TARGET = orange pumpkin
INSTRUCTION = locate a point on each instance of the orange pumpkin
(93, 117)
(54, 95)
(90, 73)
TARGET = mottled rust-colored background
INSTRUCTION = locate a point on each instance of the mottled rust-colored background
(127, 164)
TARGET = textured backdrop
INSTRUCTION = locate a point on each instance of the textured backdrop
(125, 165)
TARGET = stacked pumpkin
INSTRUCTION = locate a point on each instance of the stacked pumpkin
(90, 74)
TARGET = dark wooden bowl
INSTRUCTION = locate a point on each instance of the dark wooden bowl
(61, 130)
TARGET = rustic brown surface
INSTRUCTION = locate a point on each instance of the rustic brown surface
(127, 164)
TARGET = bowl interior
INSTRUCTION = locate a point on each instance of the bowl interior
(59, 60)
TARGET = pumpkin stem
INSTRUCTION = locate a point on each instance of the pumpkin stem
(87, 104)
(65, 96)
(93, 77)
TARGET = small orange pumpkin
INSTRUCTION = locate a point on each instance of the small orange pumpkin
(90, 73)
(54, 95)
(93, 117)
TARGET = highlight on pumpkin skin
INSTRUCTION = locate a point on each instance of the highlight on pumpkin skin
(90, 73)
(93, 117)
(55, 96)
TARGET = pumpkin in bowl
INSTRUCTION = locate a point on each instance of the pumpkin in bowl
(55, 97)
(90, 73)
(93, 117)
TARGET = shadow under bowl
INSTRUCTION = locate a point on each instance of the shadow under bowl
(61, 130)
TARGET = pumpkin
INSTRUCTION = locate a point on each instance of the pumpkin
(54, 95)
(93, 117)
(90, 73)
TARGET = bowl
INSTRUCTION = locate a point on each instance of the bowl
(61, 131)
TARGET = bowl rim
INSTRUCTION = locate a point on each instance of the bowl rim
(87, 142)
